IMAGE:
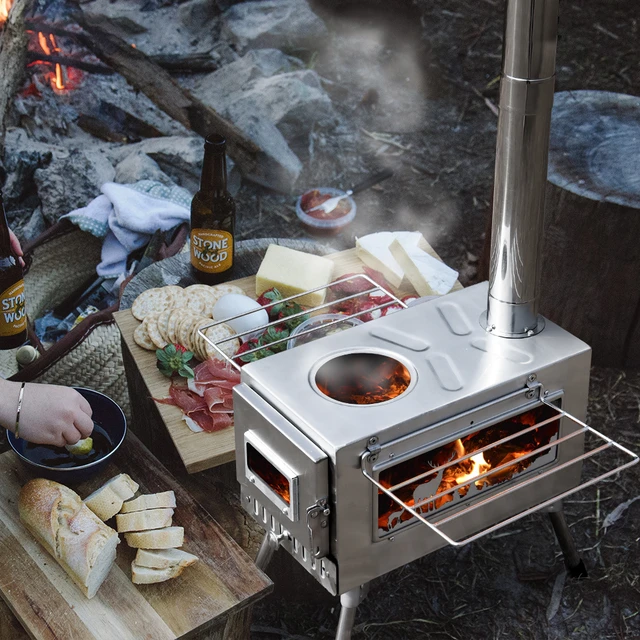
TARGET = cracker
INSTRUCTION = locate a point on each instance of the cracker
(152, 329)
(175, 317)
(219, 332)
(195, 300)
(219, 290)
(183, 332)
(197, 341)
(207, 294)
(163, 319)
(142, 339)
(152, 301)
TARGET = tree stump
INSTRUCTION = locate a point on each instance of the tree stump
(591, 270)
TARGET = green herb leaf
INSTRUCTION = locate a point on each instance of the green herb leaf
(171, 350)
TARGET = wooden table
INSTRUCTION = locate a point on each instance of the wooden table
(209, 601)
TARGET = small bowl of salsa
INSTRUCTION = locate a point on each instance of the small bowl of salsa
(56, 463)
(318, 222)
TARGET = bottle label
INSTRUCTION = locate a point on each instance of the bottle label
(13, 313)
(211, 250)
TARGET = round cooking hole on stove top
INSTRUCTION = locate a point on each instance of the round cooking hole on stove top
(363, 378)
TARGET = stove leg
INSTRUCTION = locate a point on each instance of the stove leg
(572, 560)
(349, 602)
(269, 546)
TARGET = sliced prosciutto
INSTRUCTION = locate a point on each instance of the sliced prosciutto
(207, 400)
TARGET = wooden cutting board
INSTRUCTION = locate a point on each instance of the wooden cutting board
(50, 606)
(200, 451)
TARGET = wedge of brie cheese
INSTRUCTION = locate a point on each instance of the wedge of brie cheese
(427, 274)
(373, 250)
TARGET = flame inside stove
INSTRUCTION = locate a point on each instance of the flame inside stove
(363, 378)
(426, 483)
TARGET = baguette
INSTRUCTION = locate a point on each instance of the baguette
(164, 500)
(147, 575)
(164, 558)
(144, 520)
(108, 499)
(167, 538)
(79, 541)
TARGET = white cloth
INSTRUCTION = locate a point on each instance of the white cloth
(127, 215)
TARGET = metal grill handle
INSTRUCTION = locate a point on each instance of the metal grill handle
(434, 526)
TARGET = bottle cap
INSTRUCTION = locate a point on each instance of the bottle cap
(215, 142)
(26, 355)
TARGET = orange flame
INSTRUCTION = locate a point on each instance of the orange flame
(5, 5)
(458, 478)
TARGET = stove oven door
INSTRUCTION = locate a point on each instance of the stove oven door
(284, 479)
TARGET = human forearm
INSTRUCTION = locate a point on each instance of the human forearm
(9, 392)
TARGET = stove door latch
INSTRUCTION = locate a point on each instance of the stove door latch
(318, 525)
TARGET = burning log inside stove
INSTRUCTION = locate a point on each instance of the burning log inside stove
(433, 479)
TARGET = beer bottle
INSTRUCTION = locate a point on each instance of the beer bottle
(13, 314)
(213, 218)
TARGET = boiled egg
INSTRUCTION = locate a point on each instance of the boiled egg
(234, 304)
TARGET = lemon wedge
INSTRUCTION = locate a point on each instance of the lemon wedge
(80, 448)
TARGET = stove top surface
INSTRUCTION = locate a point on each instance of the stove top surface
(453, 363)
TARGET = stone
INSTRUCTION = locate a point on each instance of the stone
(269, 84)
(274, 23)
(34, 226)
(72, 182)
(280, 167)
(294, 102)
(139, 166)
(197, 14)
(178, 157)
(235, 76)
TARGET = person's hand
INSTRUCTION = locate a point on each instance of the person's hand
(54, 415)
(15, 245)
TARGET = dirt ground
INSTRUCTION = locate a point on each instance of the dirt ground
(419, 80)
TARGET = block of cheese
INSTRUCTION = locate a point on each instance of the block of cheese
(428, 275)
(293, 272)
(373, 250)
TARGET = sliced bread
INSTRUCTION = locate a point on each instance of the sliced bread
(164, 500)
(147, 575)
(167, 538)
(108, 499)
(164, 558)
(144, 520)
(81, 543)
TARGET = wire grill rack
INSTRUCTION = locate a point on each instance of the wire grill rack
(375, 287)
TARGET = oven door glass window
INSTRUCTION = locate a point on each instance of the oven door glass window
(432, 480)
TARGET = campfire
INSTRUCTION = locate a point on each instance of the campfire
(436, 477)
(43, 52)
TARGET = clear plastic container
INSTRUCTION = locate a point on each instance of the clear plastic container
(328, 226)
(317, 321)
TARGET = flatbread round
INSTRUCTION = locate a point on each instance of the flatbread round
(151, 323)
(220, 332)
(142, 339)
(152, 301)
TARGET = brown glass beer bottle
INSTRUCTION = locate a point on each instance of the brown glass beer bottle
(13, 314)
(213, 218)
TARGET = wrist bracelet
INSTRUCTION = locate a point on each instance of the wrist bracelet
(20, 397)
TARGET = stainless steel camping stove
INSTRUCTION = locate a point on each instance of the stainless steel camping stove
(369, 448)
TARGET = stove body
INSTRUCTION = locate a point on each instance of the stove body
(301, 454)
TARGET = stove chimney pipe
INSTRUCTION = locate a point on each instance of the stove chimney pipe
(526, 100)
